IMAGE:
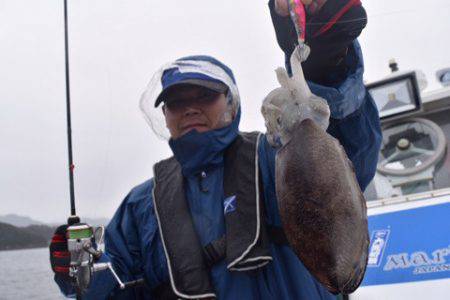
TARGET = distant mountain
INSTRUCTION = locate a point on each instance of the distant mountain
(19, 221)
(35, 236)
(42, 231)
(24, 221)
(20, 232)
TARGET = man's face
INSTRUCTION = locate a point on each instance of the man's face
(191, 107)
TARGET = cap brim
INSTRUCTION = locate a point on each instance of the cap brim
(212, 85)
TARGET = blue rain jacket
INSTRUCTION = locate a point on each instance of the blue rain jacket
(133, 243)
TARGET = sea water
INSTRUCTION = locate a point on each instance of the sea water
(26, 274)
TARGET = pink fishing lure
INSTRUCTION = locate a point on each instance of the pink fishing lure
(298, 16)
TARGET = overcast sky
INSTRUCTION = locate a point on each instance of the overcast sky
(115, 46)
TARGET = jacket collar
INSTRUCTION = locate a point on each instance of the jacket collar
(197, 152)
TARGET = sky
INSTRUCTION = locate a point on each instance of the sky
(115, 46)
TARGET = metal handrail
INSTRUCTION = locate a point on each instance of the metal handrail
(408, 198)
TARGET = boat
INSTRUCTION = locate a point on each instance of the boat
(409, 198)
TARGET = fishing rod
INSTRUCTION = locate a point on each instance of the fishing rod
(73, 215)
(81, 237)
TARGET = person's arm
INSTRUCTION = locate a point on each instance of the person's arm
(354, 117)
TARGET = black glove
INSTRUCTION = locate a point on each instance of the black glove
(329, 33)
(59, 253)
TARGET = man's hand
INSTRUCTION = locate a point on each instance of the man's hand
(59, 253)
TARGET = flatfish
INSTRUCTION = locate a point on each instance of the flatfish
(322, 208)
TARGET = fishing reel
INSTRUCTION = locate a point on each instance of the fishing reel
(82, 242)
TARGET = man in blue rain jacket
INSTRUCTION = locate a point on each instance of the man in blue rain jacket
(175, 245)
(134, 243)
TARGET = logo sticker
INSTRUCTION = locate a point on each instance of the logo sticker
(377, 245)
(229, 204)
(421, 261)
